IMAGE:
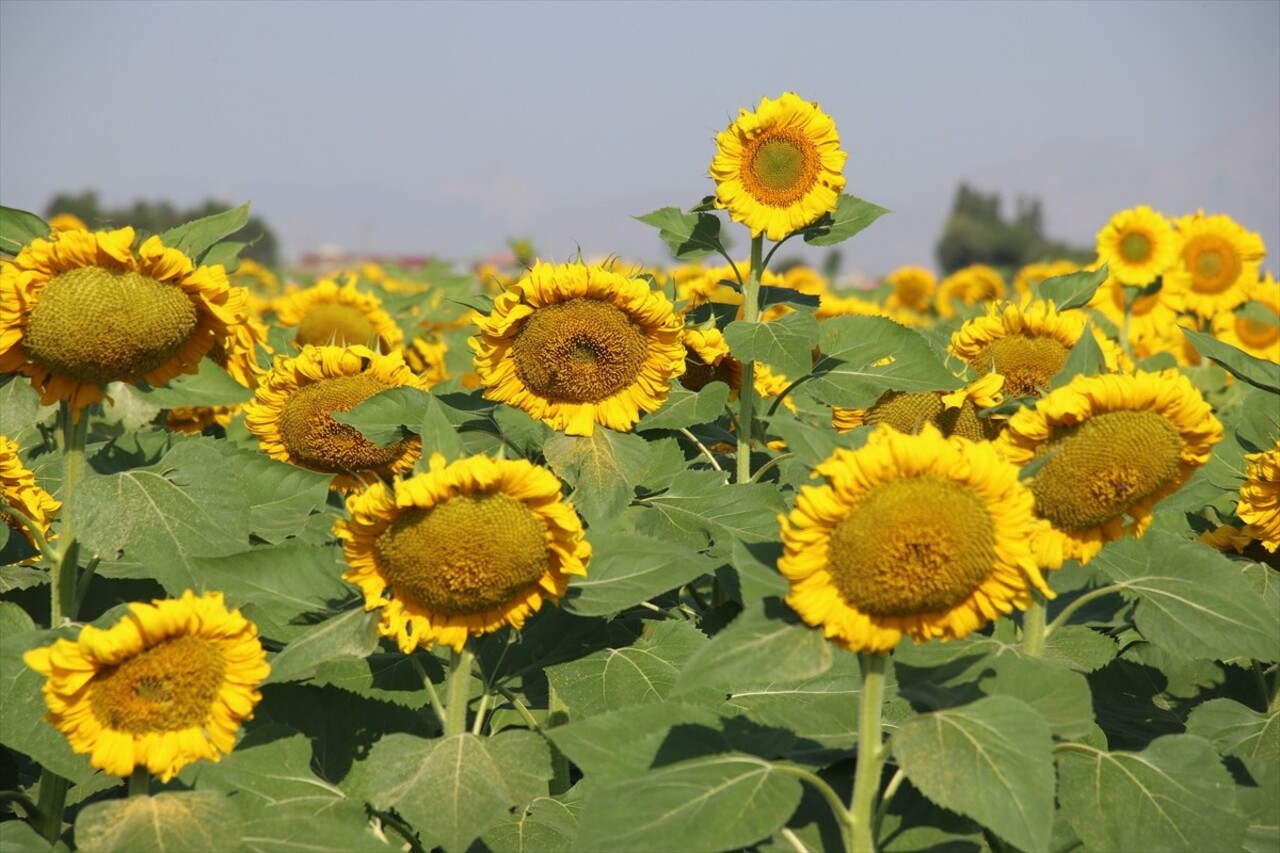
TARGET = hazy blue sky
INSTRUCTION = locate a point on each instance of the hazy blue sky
(446, 127)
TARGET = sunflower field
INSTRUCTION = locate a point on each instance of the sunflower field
(714, 554)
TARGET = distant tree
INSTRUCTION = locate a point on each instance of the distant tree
(976, 233)
(159, 216)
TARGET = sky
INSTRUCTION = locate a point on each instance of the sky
(446, 128)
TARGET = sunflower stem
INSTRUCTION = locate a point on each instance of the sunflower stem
(455, 721)
(826, 791)
(866, 782)
(483, 708)
(747, 394)
(64, 580)
(140, 782)
(1033, 626)
(1070, 609)
(53, 801)
(887, 797)
(437, 706)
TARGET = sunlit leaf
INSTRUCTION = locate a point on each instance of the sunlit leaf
(846, 374)
(350, 634)
(627, 569)
(688, 235)
(767, 640)
(185, 820)
(851, 215)
(700, 508)
(603, 468)
(388, 416)
(1235, 729)
(1255, 371)
(685, 408)
(210, 386)
(195, 238)
(1074, 289)
(18, 228)
(786, 344)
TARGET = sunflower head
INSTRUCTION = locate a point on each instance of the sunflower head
(1258, 337)
(707, 360)
(462, 549)
(86, 309)
(66, 222)
(970, 285)
(577, 346)
(167, 685)
(911, 534)
(326, 314)
(952, 414)
(1259, 506)
(1217, 262)
(1137, 245)
(19, 491)
(779, 168)
(913, 288)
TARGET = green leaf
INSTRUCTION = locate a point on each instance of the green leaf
(1235, 729)
(282, 582)
(720, 802)
(688, 235)
(852, 214)
(17, 836)
(627, 569)
(209, 386)
(282, 497)
(846, 375)
(1058, 694)
(810, 444)
(700, 507)
(685, 408)
(350, 634)
(1080, 647)
(1258, 312)
(187, 820)
(1174, 795)
(18, 228)
(385, 676)
(625, 743)
(195, 238)
(225, 255)
(454, 789)
(528, 435)
(1255, 371)
(816, 708)
(1073, 290)
(1192, 601)
(785, 344)
(546, 825)
(603, 468)
(19, 406)
(767, 639)
(1085, 359)
(991, 760)
(388, 416)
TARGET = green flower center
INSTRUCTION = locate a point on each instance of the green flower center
(315, 440)
(781, 167)
(97, 325)
(1027, 363)
(338, 325)
(1103, 467)
(470, 554)
(911, 546)
(579, 351)
(168, 687)
(1135, 247)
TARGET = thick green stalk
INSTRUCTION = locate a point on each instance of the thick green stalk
(64, 580)
(747, 394)
(455, 720)
(866, 784)
(1033, 633)
(53, 801)
(140, 782)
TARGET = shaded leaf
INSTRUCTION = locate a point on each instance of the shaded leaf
(603, 468)
(627, 569)
(388, 416)
(1085, 359)
(352, 633)
(785, 344)
(624, 743)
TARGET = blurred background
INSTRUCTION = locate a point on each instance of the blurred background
(401, 131)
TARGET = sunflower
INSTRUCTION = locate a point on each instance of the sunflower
(20, 491)
(256, 277)
(425, 358)
(162, 688)
(1115, 446)
(66, 222)
(1138, 246)
(1029, 277)
(697, 285)
(805, 280)
(85, 309)
(1259, 506)
(326, 314)
(780, 168)
(462, 549)
(911, 534)
(290, 413)
(970, 285)
(707, 360)
(577, 346)
(1026, 344)
(951, 413)
(1150, 316)
(1229, 538)
(1217, 261)
(913, 289)
(1259, 338)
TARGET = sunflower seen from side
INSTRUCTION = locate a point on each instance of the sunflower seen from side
(1217, 261)
(910, 534)
(291, 413)
(1113, 446)
(577, 346)
(951, 413)
(328, 315)
(780, 168)
(1138, 246)
(462, 549)
(968, 286)
(1259, 334)
(1259, 506)
(165, 686)
(87, 309)
(26, 500)
(707, 360)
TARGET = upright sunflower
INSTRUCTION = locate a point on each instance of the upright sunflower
(779, 168)
(1259, 338)
(1218, 259)
(164, 687)
(1115, 446)
(462, 549)
(1150, 316)
(911, 534)
(327, 314)
(1259, 506)
(913, 288)
(577, 346)
(1137, 245)
(86, 309)
(969, 286)
(290, 413)
(20, 491)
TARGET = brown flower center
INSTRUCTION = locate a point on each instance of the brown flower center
(168, 687)
(1027, 363)
(782, 166)
(315, 440)
(1214, 263)
(336, 324)
(579, 351)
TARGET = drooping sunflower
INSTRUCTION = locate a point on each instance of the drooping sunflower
(327, 314)
(1217, 260)
(1116, 445)
(951, 413)
(462, 549)
(1137, 245)
(425, 357)
(1027, 344)
(969, 286)
(20, 491)
(167, 685)
(85, 309)
(913, 288)
(1259, 338)
(66, 222)
(779, 168)
(1259, 506)
(708, 360)
(1029, 277)
(1228, 538)
(290, 413)
(576, 346)
(911, 534)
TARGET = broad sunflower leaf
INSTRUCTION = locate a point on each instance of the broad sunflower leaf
(454, 789)
(719, 802)
(785, 344)
(688, 235)
(282, 497)
(851, 215)
(352, 633)
(389, 416)
(19, 407)
(1235, 729)
(17, 836)
(816, 708)
(699, 507)
(1074, 289)
(1257, 372)
(18, 228)
(810, 444)
(385, 676)
(225, 254)
(1192, 601)
(209, 386)
(1257, 312)
(685, 408)
(627, 568)
(186, 820)
(546, 825)
(195, 238)
(846, 374)
(1174, 795)
(991, 760)
(526, 434)
(626, 742)
(603, 468)
(1080, 647)
(281, 582)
